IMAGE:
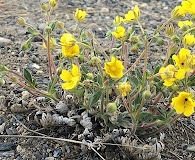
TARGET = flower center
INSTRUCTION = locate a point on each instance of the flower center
(113, 68)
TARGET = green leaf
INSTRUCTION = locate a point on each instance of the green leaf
(134, 81)
(98, 79)
(32, 31)
(95, 97)
(28, 76)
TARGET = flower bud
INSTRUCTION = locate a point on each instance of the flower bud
(60, 24)
(21, 21)
(48, 29)
(111, 107)
(175, 39)
(134, 48)
(95, 60)
(81, 58)
(177, 12)
(52, 3)
(169, 30)
(159, 41)
(44, 7)
(90, 76)
(2, 82)
(147, 94)
(59, 70)
(175, 87)
(134, 39)
(14, 79)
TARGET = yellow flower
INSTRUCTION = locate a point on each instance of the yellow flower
(182, 59)
(185, 23)
(170, 74)
(119, 33)
(184, 103)
(52, 44)
(71, 52)
(132, 15)
(188, 39)
(124, 88)
(178, 12)
(80, 15)
(69, 46)
(189, 6)
(68, 40)
(118, 21)
(52, 3)
(71, 78)
(114, 68)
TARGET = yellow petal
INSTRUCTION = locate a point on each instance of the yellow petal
(180, 74)
(68, 85)
(75, 70)
(188, 111)
(178, 105)
(66, 75)
(169, 82)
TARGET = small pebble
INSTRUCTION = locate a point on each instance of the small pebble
(4, 41)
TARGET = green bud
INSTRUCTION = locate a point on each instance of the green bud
(21, 21)
(81, 58)
(90, 76)
(2, 82)
(147, 94)
(95, 60)
(60, 24)
(59, 70)
(111, 107)
(184, 28)
(169, 30)
(134, 48)
(14, 79)
(44, 7)
(48, 29)
(175, 87)
(134, 39)
(159, 41)
(175, 39)
(26, 45)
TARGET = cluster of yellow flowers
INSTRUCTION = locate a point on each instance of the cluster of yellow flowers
(171, 74)
(184, 62)
(70, 48)
(186, 7)
(130, 17)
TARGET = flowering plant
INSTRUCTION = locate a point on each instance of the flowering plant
(118, 92)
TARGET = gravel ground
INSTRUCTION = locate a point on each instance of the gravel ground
(100, 16)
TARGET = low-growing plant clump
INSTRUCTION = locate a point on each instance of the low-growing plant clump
(104, 84)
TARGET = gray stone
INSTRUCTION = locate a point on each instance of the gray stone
(4, 42)
(7, 146)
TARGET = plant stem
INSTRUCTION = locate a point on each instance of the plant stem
(137, 114)
(49, 55)
(163, 126)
